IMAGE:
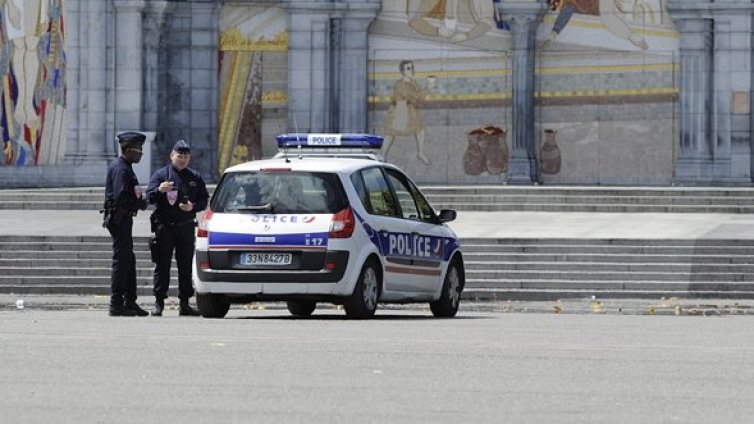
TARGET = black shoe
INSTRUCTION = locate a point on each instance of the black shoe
(137, 311)
(185, 310)
(121, 311)
(159, 305)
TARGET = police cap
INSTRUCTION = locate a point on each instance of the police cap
(181, 146)
(131, 138)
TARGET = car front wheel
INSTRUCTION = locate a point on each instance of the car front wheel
(212, 305)
(447, 304)
(363, 302)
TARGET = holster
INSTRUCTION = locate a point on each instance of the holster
(154, 241)
(107, 211)
(154, 222)
(154, 248)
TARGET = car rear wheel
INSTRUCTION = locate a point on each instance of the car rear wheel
(363, 302)
(447, 304)
(212, 305)
(301, 308)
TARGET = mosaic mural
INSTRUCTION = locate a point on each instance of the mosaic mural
(32, 68)
(605, 94)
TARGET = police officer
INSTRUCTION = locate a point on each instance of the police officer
(178, 193)
(123, 198)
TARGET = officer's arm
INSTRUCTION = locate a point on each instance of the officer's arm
(202, 196)
(120, 195)
(152, 191)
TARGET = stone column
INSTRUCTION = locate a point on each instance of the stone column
(722, 92)
(188, 106)
(309, 53)
(128, 96)
(353, 87)
(87, 82)
(696, 102)
(523, 17)
(154, 65)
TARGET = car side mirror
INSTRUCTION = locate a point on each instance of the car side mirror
(447, 215)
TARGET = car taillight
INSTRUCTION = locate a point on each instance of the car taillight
(343, 224)
(203, 228)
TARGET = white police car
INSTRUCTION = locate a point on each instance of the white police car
(325, 221)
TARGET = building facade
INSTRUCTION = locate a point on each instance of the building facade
(595, 92)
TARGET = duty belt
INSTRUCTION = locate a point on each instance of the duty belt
(179, 223)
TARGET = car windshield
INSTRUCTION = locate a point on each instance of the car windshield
(279, 192)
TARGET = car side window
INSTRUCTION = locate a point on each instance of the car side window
(381, 201)
(361, 190)
(403, 191)
(426, 213)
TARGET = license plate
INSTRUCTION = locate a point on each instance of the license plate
(266, 258)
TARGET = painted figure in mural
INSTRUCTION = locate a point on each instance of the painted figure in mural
(26, 19)
(6, 82)
(610, 13)
(50, 88)
(403, 116)
(455, 20)
(33, 100)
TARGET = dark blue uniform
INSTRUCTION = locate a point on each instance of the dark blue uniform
(120, 190)
(175, 230)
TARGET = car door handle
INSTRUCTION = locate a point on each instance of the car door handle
(383, 232)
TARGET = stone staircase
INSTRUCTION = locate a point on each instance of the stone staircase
(549, 269)
(68, 265)
(591, 199)
(496, 269)
(479, 198)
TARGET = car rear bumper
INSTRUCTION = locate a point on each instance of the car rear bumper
(337, 261)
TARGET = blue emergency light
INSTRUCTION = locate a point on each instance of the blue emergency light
(314, 140)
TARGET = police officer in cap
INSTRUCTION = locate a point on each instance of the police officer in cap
(123, 198)
(178, 193)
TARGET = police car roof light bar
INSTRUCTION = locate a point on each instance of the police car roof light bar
(346, 140)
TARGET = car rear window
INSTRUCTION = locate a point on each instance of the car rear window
(279, 192)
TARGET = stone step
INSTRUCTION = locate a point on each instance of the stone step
(556, 249)
(625, 267)
(577, 199)
(70, 255)
(66, 246)
(599, 191)
(585, 284)
(63, 239)
(568, 257)
(606, 276)
(497, 294)
(471, 241)
(65, 263)
(79, 280)
(51, 205)
(142, 289)
(591, 208)
(73, 272)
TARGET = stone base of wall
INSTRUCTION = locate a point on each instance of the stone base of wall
(66, 175)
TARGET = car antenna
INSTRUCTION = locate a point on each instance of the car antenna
(298, 140)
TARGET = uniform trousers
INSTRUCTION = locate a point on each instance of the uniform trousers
(123, 273)
(181, 239)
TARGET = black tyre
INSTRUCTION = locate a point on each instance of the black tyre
(301, 308)
(362, 303)
(447, 305)
(212, 305)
